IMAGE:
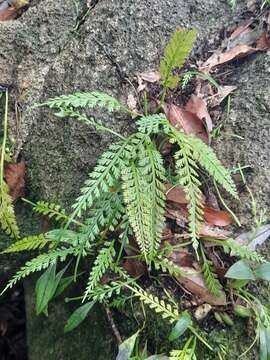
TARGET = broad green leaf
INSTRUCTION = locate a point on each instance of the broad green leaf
(45, 288)
(181, 326)
(126, 348)
(264, 343)
(78, 316)
(238, 284)
(241, 271)
(263, 271)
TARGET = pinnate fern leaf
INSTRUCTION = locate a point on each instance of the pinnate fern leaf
(235, 249)
(144, 196)
(105, 173)
(207, 158)
(175, 55)
(210, 276)
(28, 243)
(42, 262)
(84, 99)
(102, 263)
(51, 210)
(167, 311)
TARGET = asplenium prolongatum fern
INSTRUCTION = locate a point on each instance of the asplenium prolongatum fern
(124, 195)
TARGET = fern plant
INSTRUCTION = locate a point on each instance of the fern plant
(122, 203)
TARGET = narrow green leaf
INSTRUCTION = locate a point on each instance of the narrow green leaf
(78, 316)
(126, 348)
(264, 347)
(181, 326)
(241, 271)
(263, 271)
(63, 284)
(45, 288)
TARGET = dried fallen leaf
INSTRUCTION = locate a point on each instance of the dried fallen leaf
(221, 95)
(253, 239)
(151, 76)
(198, 106)
(176, 194)
(263, 42)
(9, 9)
(14, 177)
(134, 267)
(219, 58)
(207, 230)
(194, 281)
(185, 120)
(217, 217)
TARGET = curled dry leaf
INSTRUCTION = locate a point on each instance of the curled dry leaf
(9, 9)
(184, 120)
(198, 106)
(14, 177)
(217, 217)
(255, 238)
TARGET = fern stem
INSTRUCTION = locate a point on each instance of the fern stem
(226, 206)
(3, 150)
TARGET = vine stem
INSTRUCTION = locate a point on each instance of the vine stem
(3, 150)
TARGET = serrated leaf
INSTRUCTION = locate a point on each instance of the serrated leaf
(78, 316)
(126, 348)
(241, 271)
(181, 326)
(175, 55)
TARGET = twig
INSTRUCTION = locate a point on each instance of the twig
(113, 325)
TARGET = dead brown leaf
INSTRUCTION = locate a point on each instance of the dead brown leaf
(8, 13)
(176, 194)
(217, 217)
(134, 267)
(14, 177)
(219, 58)
(198, 106)
(185, 120)
(263, 42)
(194, 282)
(207, 230)
(150, 76)
(221, 95)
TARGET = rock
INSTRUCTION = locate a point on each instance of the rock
(42, 56)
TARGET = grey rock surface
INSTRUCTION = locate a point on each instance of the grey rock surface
(42, 56)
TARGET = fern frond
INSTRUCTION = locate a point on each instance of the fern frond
(103, 293)
(233, 248)
(41, 262)
(187, 78)
(150, 124)
(105, 173)
(175, 55)
(210, 276)
(51, 210)
(188, 177)
(207, 158)
(28, 243)
(84, 99)
(167, 311)
(144, 195)
(102, 263)
(8, 221)
(168, 266)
